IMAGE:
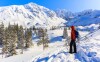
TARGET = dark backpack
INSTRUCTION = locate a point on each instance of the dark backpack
(76, 34)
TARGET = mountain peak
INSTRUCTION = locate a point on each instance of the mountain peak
(31, 3)
(28, 15)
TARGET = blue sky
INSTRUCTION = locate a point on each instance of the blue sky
(70, 5)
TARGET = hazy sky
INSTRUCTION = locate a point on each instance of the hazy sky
(71, 5)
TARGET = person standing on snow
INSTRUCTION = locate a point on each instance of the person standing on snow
(73, 39)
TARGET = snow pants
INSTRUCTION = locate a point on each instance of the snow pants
(72, 44)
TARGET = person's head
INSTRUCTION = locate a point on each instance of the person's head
(72, 28)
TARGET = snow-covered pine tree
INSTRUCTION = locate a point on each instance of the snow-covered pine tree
(28, 38)
(40, 35)
(1, 33)
(40, 32)
(21, 39)
(46, 39)
(65, 34)
(12, 39)
(35, 30)
(16, 27)
(43, 38)
(5, 48)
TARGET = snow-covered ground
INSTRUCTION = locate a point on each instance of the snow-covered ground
(27, 55)
(34, 52)
(87, 50)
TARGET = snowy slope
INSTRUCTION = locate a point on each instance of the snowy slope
(87, 51)
(28, 15)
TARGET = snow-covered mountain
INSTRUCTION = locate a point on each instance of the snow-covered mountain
(28, 15)
(87, 17)
(86, 20)
(67, 15)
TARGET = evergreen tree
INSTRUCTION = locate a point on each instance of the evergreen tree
(1, 33)
(14, 36)
(21, 39)
(5, 49)
(28, 38)
(43, 38)
(65, 34)
(12, 40)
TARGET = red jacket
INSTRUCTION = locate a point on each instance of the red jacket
(72, 33)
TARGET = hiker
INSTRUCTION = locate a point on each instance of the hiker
(73, 39)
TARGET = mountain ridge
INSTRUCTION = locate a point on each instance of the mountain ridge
(28, 15)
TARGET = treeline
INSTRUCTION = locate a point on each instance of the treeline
(14, 37)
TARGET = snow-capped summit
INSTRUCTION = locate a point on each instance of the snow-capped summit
(63, 13)
(28, 15)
